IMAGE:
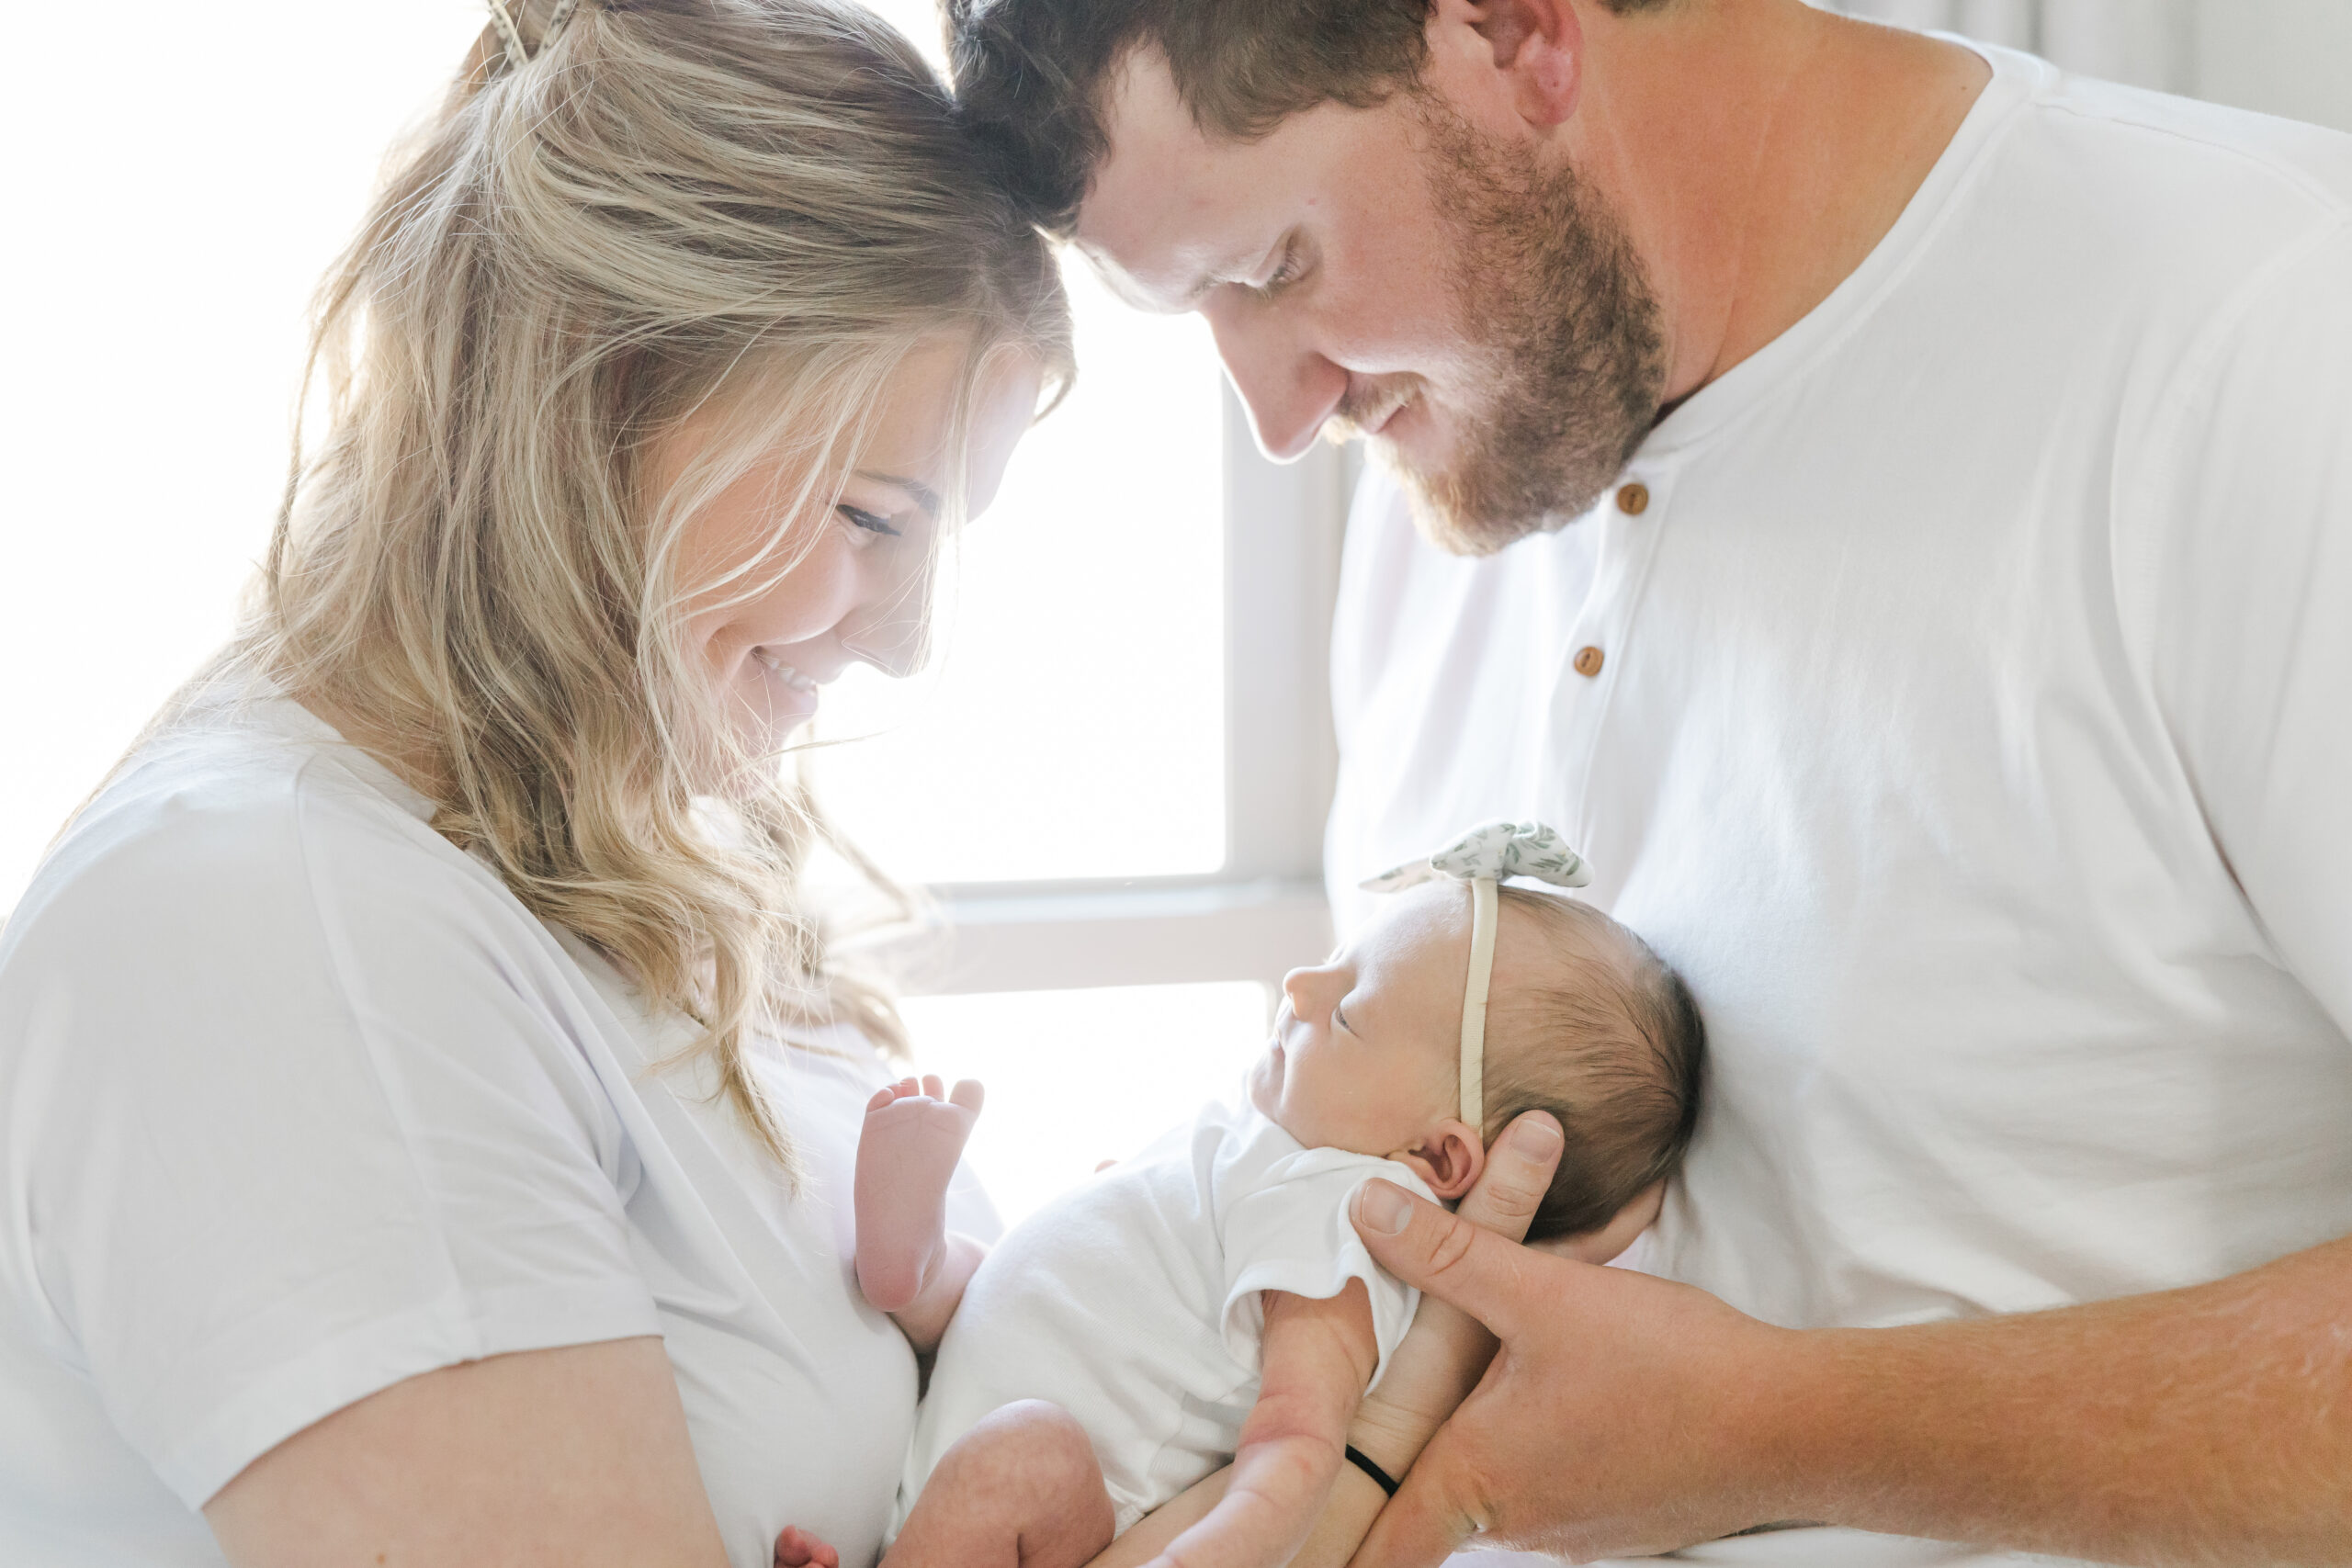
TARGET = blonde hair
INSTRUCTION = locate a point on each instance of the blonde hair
(750, 208)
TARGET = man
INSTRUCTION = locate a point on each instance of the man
(1900, 502)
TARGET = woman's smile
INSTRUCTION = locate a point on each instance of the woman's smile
(785, 673)
(788, 695)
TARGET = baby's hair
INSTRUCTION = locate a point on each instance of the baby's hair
(1610, 1042)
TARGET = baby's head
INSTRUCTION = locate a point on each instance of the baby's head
(1582, 1021)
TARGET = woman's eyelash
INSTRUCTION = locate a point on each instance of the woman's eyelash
(873, 523)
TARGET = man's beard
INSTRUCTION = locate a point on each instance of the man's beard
(1553, 304)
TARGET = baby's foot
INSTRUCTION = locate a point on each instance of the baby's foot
(914, 1134)
(796, 1548)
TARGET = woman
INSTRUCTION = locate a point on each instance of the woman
(428, 1098)
(404, 1155)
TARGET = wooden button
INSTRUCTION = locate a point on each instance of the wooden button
(1589, 661)
(1632, 501)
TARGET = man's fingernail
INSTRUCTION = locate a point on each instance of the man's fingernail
(1384, 1208)
(1536, 1137)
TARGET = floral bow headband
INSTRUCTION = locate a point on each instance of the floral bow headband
(1485, 858)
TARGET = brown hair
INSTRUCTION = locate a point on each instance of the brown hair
(1031, 75)
(1610, 1042)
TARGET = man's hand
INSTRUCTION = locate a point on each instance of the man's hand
(1604, 1426)
(1446, 1351)
(1627, 1415)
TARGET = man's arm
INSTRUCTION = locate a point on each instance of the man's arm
(1628, 1415)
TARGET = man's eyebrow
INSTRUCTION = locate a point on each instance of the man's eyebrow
(925, 497)
(1123, 288)
(1209, 282)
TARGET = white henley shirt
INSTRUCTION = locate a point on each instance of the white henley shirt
(1967, 714)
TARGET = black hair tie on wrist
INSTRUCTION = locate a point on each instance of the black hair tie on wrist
(1386, 1482)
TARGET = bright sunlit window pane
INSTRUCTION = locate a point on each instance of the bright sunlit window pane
(1073, 724)
(1077, 1077)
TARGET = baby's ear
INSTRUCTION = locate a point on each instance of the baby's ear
(1449, 1160)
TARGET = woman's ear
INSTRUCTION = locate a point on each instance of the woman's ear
(1450, 1159)
(1529, 53)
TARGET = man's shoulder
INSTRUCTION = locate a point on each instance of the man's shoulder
(2103, 243)
(2132, 158)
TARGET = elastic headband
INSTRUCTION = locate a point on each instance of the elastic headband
(1485, 858)
(1483, 905)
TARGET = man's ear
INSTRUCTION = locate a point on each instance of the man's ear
(1449, 1160)
(1530, 53)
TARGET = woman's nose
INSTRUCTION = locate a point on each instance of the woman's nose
(890, 626)
(897, 651)
(1289, 391)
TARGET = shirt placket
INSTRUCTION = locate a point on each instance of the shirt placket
(1600, 639)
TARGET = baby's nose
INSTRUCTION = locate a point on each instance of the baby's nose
(1305, 991)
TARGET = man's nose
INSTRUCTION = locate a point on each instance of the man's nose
(1289, 389)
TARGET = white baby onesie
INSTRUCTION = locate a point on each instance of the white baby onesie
(1132, 1302)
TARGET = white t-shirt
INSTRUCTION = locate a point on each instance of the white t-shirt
(1973, 729)
(1132, 1302)
(299, 1101)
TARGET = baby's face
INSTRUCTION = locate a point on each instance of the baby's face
(1366, 1047)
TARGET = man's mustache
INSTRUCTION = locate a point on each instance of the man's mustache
(1368, 405)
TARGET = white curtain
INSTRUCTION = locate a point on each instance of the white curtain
(2147, 42)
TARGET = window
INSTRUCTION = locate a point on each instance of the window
(1115, 774)
(1071, 726)
(1115, 771)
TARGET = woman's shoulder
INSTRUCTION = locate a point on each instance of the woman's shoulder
(248, 888)
(233, 818)
(300, 1109)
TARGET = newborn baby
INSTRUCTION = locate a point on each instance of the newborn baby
(1111, 1350)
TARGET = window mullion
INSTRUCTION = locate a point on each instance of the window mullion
(1282, 526)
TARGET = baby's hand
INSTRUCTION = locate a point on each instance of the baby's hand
(906, 1156)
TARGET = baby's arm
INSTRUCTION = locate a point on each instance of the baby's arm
(1428, 1372)
(908, 1264)
(1319, 1357)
